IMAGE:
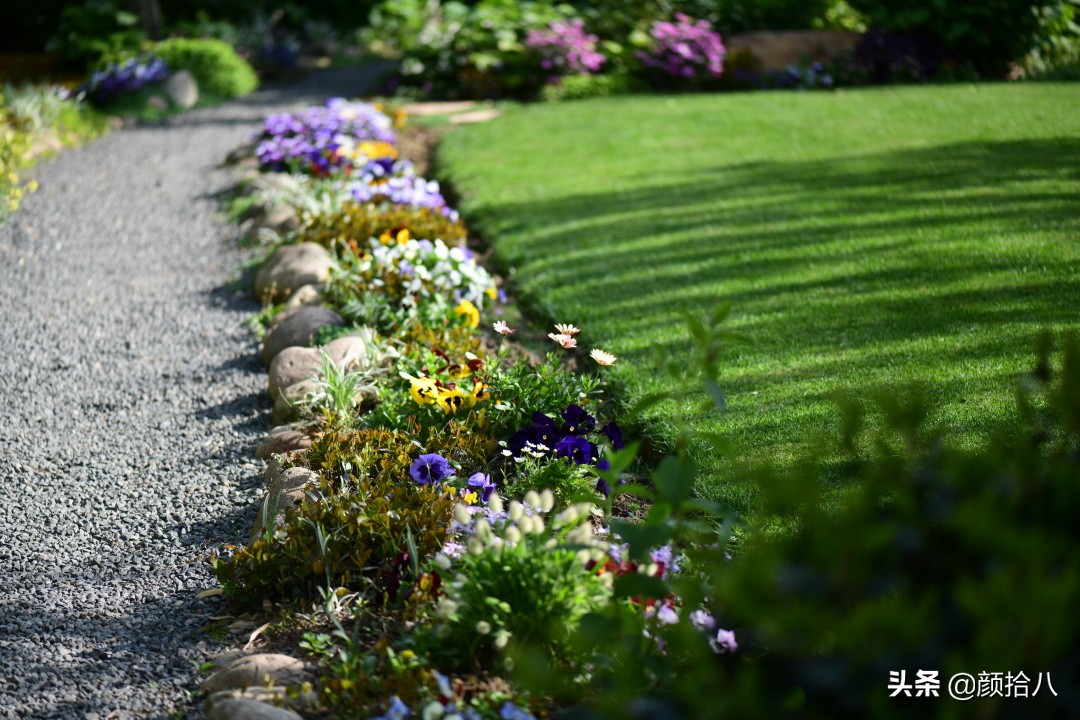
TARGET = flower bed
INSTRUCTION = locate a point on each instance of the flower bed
(438, 490)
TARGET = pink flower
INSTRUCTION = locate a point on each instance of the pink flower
(502, 328)
(564, 340)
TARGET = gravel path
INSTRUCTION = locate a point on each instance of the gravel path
(130, 401)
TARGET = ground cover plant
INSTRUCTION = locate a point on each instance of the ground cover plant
(864, 238)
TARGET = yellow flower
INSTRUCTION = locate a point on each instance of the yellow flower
(479, 393)
(450, 400)
(388, 237)
(458, 372)
(491, 293)
(469, 311)
(375, 150)
(32, 186)
(470, 498)
(423, 391)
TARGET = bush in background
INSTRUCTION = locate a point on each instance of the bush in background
(214, 63)
(987, 36)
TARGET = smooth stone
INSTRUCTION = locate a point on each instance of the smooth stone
(295, 364)
(182, 89)
(281, 440)
(306, 295)
(288, 404)
(298, 330)
(285, 492)
(290, 268)
(234, 708)
(258, 670)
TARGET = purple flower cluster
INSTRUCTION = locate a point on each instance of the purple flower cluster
(686, 49)
(414, 192)
(129, 76)
(568, 440)
(317, 140)
(566, 49)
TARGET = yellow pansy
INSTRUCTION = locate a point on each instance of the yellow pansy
(479, 394)
(458, 371)
(491, 293)
(468, 311)
(423, 391)
(450, 400)
(375, 150)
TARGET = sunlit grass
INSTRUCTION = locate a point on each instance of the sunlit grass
(866, 238)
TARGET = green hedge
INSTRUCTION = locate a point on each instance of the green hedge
(216, 66)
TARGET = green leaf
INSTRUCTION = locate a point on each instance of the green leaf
(674, 479)
(638, 585)
(641, 538)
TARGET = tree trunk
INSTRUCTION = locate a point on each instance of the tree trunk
(149, 12)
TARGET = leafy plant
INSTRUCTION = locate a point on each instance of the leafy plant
(339, 391)
(95, 32)
(525, 580)
(359, 533)
(355, 223)
(217, 68)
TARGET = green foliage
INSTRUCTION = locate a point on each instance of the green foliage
(339, 391)
(519, 388)
(524, 582)
(567, 481)
(580, 87)
(353, 536)
(451, 48)
(1057, 43)
(940, 559)
(985, 35)
(95, 32)
(216, 66)
(734, 16)
(355, 223)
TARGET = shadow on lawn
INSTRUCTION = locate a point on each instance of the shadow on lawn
(898, 265)
(883, 222)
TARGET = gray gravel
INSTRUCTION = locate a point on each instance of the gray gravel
(131, 398)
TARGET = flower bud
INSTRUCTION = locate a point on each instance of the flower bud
(462, 514)
(516, 511)
(547, 500)
(442, 562)
(532, 499)
(513, 535)
(475, 546)
(501, 638)
(495, 502)
(483, 627)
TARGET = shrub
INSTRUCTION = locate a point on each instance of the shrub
(94, 32)
(941, 559)
(985, 35)
(581, 87)
(359, 534)
(565, 48)
(683, 52)
(527, 580)
(216, 66)
(734, 16)
(1057, 43)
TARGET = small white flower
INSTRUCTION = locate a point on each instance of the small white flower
(602, 357)
(565, 341)
(568, 329)
(503, 329)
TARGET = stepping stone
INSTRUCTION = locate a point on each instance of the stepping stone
(476, 116)
(425, 109)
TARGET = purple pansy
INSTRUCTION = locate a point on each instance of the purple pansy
(430, 468)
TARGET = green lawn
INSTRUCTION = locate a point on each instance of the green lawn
(865, 238)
